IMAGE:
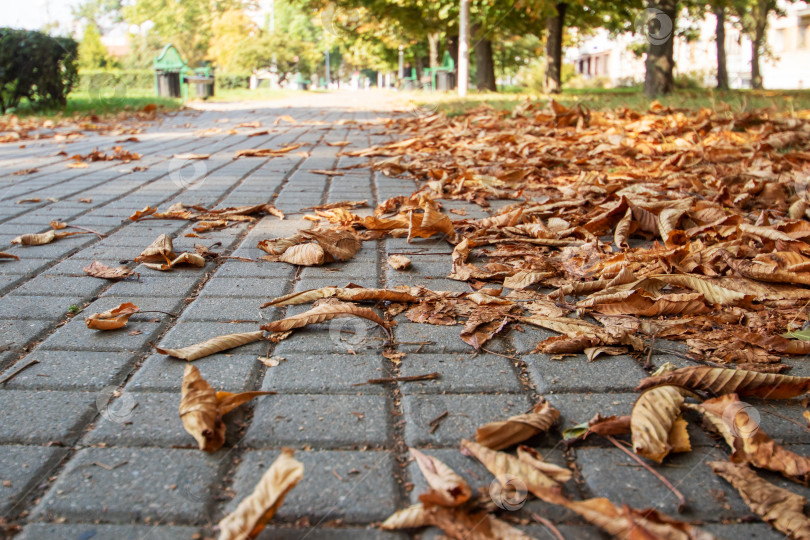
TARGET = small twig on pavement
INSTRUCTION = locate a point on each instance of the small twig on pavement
(409, 378)
(86, 229)
(673, 489)
(18, 371)
(499, 354)
(548, 525)
(651, 348)
(434, 424)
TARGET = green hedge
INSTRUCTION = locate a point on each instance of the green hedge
(36, 66)
(227, 81)
(106, 83)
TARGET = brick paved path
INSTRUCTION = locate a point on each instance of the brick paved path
(92, 445)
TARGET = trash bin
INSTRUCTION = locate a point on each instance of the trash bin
(204, 89)
(168, 84)
(445, 80)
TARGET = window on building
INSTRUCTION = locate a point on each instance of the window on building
(802, 38)
(779, 40)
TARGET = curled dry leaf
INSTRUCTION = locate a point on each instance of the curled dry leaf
(349, 294)
(112, 319)
(457, 523)
(202, 409)
(599, 425)
(308, 254)
(99, 270)
(267, 152)
(399, 262)
(652, 420)
(750, 443)
(719, 381)
(258, 508)
(191, 259)
(532, 457)
(325, 312)
(39, 239)
(446, 487)
(191, 156)
(500, 435)
(779, 507)
(212, 346)
(159, 251)
(503, 465)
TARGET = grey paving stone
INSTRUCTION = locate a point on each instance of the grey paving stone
(610, 473)
(138, 484)
(758, 531)
(326, 374)
(37, 307)
(460, 373)
(422, 267)
(527, 340)
(339, 280)
(181, 284)
(15, 334)
(71, 370)
(465, 413)
(40, 417)
(21, 468)
(578, 408)
(9, 281)
(580, 532)
(576, 374)
(322, 421)
(76, 336)
(148, 419)
(245, 288)
(240, 269)
(356, 487)
(429, 338)
(86, 531)
(25, 266)
(49, 285)
(208, 308)
(224, 371)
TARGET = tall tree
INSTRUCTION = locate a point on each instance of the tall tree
(92, 52)
(555, 25)
(659, 26)
(719, 9)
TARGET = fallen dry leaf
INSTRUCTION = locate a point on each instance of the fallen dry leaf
(202, 409)
(99, 270)
(446, 487)
(112, 319)
(720, 381)
(191, 156)
(652, 420)
(500, 435)
(779, 507)
(39, 239)
(325, 312)
(212, 346)
(399, 262)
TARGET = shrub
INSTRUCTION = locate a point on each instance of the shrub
(227, 81)
(115, 82)
(36, 66)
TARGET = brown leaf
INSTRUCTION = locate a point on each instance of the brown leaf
(212, 346)
(349, 294)
(749, 441)
(112, 319)
(485, 323)
(399, 262)
(258, 508)
(309, 254)
(325, 312)
(202, 409)
(99, 270)
(504, 466)
(338, 245)
(43, 238)
(159, 251)
(500, 435)
(779, 507)
(147, 211)
(720, 381)
(651, 421)
(532, 457)
(191, 156)
(267, 152)
(446, 487)
(192, 259)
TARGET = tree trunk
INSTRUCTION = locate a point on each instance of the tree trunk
(659, 64)
(484, 65)
(433, 43)
(554, 29)
(720, 39)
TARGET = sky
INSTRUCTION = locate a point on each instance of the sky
(34, 14)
